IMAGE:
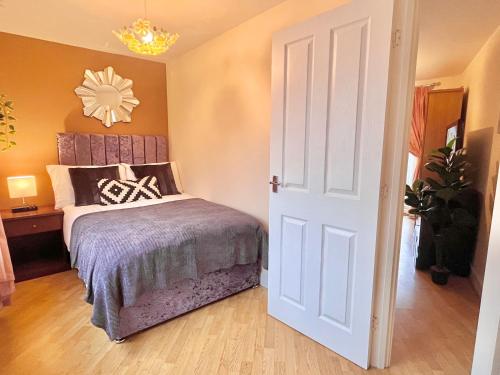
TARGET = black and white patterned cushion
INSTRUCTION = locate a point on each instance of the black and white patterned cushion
(119, 191)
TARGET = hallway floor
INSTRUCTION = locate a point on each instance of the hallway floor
(435, 325)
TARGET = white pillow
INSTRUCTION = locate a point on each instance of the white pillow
(61, 182)
(131, 176)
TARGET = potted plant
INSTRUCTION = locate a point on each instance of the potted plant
(439, 202)
(7, 128)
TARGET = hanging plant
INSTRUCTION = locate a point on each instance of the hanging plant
(7, 127)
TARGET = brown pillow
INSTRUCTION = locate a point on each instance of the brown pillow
(162, 172)
(84, 181)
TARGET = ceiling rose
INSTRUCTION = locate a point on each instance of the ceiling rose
(144, 38)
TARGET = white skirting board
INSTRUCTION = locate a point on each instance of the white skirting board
(476, 282)
(263, 278)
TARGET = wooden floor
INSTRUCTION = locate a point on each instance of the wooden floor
(47, 331)
(435, 326)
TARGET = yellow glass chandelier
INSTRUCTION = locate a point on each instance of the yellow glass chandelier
(146, 39)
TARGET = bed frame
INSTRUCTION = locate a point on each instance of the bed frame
(153, 307)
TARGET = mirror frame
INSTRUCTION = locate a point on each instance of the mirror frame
(118, 109)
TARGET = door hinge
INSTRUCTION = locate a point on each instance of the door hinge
(396, 38)
(374, 323)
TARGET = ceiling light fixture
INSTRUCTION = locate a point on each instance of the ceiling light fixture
(145, 39)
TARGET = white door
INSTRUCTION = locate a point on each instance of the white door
(330, 80)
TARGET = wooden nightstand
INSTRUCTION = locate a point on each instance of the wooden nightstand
(36, 242)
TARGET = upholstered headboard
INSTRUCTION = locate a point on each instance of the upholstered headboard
(100, 149)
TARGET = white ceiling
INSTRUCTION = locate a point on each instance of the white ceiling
(451, 34)
(88, 23)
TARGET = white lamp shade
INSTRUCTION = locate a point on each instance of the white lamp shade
(22, 186)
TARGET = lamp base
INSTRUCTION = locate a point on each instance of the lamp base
(16, 210)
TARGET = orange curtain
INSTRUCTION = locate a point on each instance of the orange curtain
(6, 272)
(417, 131)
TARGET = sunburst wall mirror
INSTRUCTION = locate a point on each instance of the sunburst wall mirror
(107, 96)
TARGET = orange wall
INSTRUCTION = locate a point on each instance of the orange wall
(40, 77)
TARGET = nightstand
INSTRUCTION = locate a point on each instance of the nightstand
(36, 242)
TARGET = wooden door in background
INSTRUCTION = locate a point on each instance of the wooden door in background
(444, 109)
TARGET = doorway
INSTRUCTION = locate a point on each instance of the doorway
(435, 312)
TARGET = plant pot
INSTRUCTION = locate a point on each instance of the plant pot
(439, 275)
(426, 255)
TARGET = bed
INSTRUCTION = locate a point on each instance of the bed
(146, 262)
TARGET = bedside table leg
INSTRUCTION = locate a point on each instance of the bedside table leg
(64, 251)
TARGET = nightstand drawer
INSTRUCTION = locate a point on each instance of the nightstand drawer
(26, 226)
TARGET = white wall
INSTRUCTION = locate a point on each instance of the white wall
(487, 350)
(482, 138)
(219, 104)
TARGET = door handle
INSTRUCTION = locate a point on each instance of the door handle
(275, 184)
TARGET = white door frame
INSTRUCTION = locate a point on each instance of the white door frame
(400, 100)
(394, 165)
(487, 347)
(395, 158)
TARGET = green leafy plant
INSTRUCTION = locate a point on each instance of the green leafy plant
(438, 200)
(418, 196)
(7, 127)
(451, 167)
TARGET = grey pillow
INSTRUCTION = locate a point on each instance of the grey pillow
(84, 181)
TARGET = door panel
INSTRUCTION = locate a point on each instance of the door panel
(293, 264)
(346, 93)
(329, 85)
(297, 109)
(337, 264)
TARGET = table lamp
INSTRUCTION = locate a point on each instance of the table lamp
(22, 187)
